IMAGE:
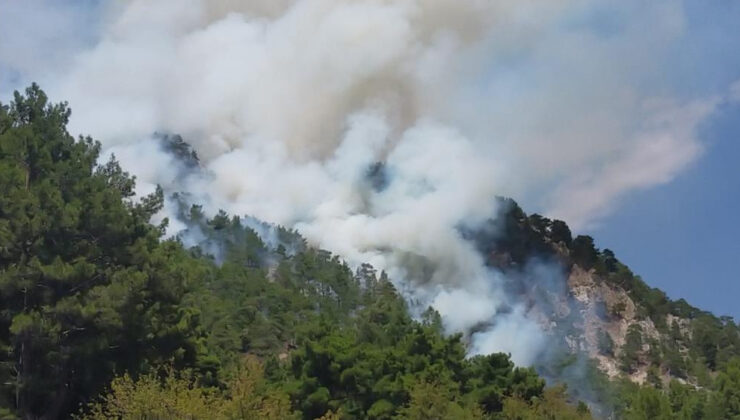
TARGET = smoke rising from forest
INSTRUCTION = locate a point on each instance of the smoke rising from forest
(377, 128)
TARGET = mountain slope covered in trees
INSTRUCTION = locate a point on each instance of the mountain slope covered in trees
(102, 317)
(628, 326)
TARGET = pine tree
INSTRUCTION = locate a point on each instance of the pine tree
(85, 283)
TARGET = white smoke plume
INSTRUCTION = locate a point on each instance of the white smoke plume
(289, 103)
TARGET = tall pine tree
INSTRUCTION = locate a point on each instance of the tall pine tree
(86, 287)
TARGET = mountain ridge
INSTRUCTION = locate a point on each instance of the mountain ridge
(102, 316)
(613, 306)
(611, 299)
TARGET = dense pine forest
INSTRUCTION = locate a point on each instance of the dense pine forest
(102, 316)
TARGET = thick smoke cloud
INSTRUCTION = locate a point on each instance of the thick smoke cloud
(559, 104)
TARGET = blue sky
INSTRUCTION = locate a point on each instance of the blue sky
(684, 237)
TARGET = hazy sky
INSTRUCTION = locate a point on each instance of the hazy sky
(620, 117)
(683, 237)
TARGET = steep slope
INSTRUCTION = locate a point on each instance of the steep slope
(240, 326)
(603, 310)
(249, 321)
(589, 302)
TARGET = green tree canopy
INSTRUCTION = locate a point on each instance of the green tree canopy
(86, 286)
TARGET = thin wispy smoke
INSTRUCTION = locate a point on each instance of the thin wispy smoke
(293, 105)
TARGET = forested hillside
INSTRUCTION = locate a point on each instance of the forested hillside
(629, 326)
(101, 316)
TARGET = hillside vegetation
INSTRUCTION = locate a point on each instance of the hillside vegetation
(626, 324)
(102, 317)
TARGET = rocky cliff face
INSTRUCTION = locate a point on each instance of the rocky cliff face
(598, 308)
(608, 311)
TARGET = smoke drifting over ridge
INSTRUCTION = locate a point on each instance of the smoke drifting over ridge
(290, 103)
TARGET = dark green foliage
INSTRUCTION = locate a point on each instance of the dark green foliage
(174, 144)
(674, 362)
(583, 251)
(654, 353)
(605, 343)
(653, 377)
(725, 401)
(89, 290)
(560, 233)
(512, 237)
(86, 286)
(373, 375)
(611, 264)
(353, 349)
(618, 309)
(710, 341)
(632, 348)
(706, 339)
(649, 404)
(682, 309)
(494, 377)
(350, 342)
